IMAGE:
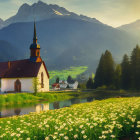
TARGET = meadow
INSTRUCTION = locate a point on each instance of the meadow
(63, 74)
(109, 119)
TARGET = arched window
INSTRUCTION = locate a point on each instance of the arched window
(38, 53)
(42, 80)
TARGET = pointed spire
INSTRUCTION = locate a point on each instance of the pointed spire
(35, 37)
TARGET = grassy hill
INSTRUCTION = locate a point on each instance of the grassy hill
(63, 74)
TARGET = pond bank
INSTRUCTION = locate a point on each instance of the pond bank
(29, 98)
(40, 107)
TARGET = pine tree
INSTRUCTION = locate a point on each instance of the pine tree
(57, 80)
(135, 68)
(117, 77)
(105, 71)
(70, 79)
(126, 75)
(99, 79)
(108, 69)
(89, 84)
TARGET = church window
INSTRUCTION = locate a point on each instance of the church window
(37, 53)
(42, 80)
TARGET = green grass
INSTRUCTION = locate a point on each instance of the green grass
(28, 98)
(9, 99)
(63, 74)
(22, 98)
(58, 96)
(107, 119)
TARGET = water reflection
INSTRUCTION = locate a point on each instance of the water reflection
(17, 111)
(75, 101)
(41, 107)
(56, 105)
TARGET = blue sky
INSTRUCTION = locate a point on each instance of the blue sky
(111, 12)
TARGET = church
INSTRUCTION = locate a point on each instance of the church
(19, 76)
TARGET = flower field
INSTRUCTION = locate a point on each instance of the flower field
(107, 119)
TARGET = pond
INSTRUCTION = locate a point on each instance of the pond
(14, 111)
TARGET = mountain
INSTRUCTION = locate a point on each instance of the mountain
(69, 42)
(1, 23)
(42, 11)
(8, 51)
(66, 39)
(132, 28)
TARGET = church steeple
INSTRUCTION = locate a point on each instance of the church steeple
(35, 37)
(35, 48)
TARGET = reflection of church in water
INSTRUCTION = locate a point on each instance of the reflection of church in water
(40, 107)
(26, 110)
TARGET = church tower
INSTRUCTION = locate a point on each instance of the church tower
(35, 48)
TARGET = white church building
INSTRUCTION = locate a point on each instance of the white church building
(18, 76)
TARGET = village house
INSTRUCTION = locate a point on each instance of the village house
(65, 85)
(19, 76)
(73, 85)
(56, 86)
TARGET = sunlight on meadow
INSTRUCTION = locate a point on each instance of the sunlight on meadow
(107, 119)
(63, 75)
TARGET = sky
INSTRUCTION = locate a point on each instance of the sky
(111, 12)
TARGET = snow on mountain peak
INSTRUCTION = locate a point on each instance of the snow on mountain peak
(57, 13)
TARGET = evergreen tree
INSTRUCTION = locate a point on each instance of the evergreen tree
(135, 68)
(125, 78)
(70, 79)
(89, 84)
(108, 69)
(117, 77)
(99, 79)
(57, 80)
(105, 71)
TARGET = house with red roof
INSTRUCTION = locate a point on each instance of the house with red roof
(55, 86)
(18, 76)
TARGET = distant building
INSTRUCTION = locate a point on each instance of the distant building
(63, 84)
(73, 85)
(18, 76)
(56, 86)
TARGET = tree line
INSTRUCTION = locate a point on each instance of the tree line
(125, 75)
(69, 79)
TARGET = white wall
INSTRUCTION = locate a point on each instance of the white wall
(7, 84)
(46, 80)
(74, 86)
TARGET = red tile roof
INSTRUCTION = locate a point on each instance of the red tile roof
(56, 85)
(20, 69)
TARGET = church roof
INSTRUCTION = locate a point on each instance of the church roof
(20, 69)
